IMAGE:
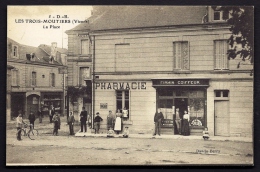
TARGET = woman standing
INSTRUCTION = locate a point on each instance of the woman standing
(186, 128)
(118, 123)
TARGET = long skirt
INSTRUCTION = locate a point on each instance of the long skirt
(118, 124)
(185, 127)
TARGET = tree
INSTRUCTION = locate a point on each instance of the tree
(241, 20)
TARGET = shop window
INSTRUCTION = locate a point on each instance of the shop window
(52, 79)
(84, 46)
(197, 117)
(181, 55)
(122, 57)
(165, 92)
(33, 79)
(221, 56)
(84, 75)
(221, 93)
(15, 77)
(122, 102)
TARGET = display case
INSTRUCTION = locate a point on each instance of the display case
(54, 100)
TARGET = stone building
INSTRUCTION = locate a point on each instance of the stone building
(35, 79)
(168, 57)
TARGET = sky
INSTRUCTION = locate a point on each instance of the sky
(23, 23)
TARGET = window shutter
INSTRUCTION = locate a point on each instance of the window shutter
(50, 79)
(18, 77)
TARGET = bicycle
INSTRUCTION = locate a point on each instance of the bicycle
(32, 133)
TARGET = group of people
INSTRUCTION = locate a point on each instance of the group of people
(114, 123)
(182, 123)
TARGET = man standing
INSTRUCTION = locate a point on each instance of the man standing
(83, 119)
(32, 119)
(110, 120)
(71, 121)
(178, 120)
(158, 117)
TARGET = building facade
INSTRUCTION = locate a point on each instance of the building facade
(146, 58)
(35, 80)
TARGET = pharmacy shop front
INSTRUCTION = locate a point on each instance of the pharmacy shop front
(179, 95)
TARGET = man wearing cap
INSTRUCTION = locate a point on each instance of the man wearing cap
(110, 120)
(97, 121)
(32, 118)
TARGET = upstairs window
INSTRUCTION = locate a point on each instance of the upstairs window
(15, 51)
(217, 15)
(84, 75)
(122, 57)
(220, 55)
(181, 55)
(52, 79)
(84, 47)
(15, 77)
(33, 79)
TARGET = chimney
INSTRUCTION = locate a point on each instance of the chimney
(54, 50)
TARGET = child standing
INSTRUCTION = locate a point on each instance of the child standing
(205, 134)
(126, 132)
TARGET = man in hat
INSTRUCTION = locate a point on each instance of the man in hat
(83, 119)
(71, 121)
(32, 118)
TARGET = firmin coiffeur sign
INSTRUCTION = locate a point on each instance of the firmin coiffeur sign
(120, 85)
(180, 82)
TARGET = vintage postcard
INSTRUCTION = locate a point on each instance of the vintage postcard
(129, 85)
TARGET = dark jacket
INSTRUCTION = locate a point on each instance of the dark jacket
(31, 117)
(158, 117)
(83, 116)
(71, 119)
(98, 119)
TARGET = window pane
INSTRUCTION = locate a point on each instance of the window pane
(33, 78)
(197, 112)
(218, 93)
(216, 15)
(225, 93)
(84, 47)
(84, 74)
(165, 92)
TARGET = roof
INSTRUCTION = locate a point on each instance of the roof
(122, 17)
(23, 50)
(47, 49)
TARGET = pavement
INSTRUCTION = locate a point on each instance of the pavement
(64, 128)
(150, 136)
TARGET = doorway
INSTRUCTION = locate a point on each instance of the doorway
(182, 104)
(222, 118)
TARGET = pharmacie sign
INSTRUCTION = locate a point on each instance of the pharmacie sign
(180, 82)
(120, 85)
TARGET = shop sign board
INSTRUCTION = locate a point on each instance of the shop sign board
(103, 105)
(180, 82)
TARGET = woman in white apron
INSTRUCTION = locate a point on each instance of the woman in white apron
(118, 123)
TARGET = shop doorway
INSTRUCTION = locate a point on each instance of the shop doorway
(182, 104)
(32, 104)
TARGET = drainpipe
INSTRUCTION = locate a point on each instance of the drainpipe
(93, 84)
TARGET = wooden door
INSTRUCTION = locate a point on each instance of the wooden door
(222, 118)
